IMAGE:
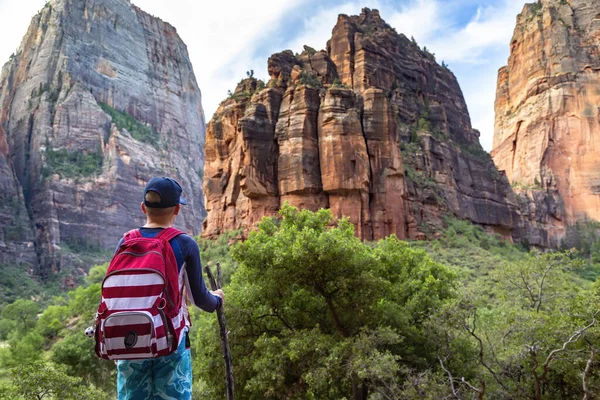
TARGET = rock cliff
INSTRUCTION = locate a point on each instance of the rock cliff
(372, 128)
(547, 127)
(99, 97)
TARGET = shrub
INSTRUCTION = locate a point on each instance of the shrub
(310, 80)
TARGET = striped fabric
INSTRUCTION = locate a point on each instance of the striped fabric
(141, 314)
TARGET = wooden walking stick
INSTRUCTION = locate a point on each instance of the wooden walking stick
(217, 284)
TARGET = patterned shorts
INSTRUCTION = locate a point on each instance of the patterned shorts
(162, 378)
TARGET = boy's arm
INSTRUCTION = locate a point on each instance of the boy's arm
(201, 296)
(119, 245)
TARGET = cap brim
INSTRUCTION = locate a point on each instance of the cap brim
(183, 201)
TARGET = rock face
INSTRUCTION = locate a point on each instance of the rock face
(547, 132)
(99, 98)
(372, 128)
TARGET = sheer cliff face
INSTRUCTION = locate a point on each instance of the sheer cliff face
(99, 98)
(547, 116)
(372, 128)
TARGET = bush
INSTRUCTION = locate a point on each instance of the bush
(310, 80)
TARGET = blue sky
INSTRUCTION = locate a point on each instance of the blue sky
(227, 38)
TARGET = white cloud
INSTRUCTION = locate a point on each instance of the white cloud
(222, 37)
(14, 20)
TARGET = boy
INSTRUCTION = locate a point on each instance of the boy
(168, 377)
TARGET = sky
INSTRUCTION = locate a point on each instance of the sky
(226, 38)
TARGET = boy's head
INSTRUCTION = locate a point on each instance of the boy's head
(162, 198)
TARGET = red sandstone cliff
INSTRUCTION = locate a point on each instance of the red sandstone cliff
(372, 128)
(547, 128)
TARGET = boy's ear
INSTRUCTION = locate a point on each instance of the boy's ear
(177, 208)
(144, 208)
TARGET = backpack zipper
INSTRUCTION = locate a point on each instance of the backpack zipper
(167, 330)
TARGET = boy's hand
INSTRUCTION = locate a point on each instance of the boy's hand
(219, 293)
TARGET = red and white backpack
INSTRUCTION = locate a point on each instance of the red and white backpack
(141, 312)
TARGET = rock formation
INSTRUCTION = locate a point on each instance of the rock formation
(99, 98)
(372, 128)
(547, 128)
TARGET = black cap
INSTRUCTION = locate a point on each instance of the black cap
(169, 191)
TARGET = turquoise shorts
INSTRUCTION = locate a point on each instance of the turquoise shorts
(162, 378)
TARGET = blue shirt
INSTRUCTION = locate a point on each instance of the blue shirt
(188, 257)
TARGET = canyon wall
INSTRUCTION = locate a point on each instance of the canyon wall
(547, 127)
(99, 97)
(373, 128)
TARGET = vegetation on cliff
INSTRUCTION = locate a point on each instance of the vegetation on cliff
(138, 130)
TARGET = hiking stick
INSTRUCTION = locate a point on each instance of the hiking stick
(222, 331)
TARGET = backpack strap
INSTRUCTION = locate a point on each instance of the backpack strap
(167, 234)
(132, 234)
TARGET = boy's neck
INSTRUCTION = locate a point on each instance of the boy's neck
(157, 224)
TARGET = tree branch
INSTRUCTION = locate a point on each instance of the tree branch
(573, 338)
(586, 373)
(541, 288)
(332, 310)
(481, 360)
(450, 378)
(532, 296)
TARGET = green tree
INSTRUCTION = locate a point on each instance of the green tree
(23, 349)
(76, 353)
(40, 380)
(316, 313)
(96, 274)
(530, 337)
(52, 321)
(6, 327)
(23, 312)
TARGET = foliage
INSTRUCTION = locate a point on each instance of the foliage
(525, 186)
(23, 313)
(423, 182)
(57, 334)
(316, 313)
(96, 274)
(531, 335)
(309, 79)
(76, 353)
(39, 381)
(138, 130)
(428, 53)
(338, 84)
(246, 88)
(52, 321)
(475, 151)
(212, 251)
(15, 283)
(84, 245)
(73, 164)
